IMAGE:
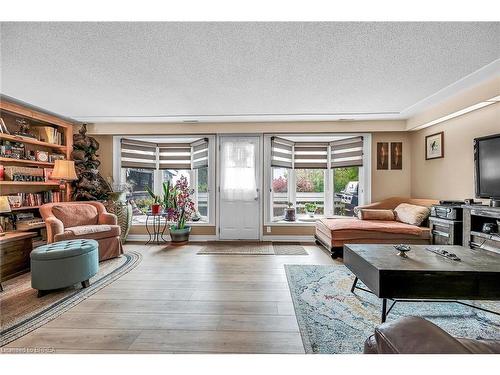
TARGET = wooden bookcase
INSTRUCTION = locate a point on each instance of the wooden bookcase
(9, 112)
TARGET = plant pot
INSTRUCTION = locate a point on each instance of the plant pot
(289, 214)
(155, 209)
(180, 236)
(117, 204)
(310, 213)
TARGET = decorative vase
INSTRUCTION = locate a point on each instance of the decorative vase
(180, 236)
(155, 209)
(289, 214)
(117, 204)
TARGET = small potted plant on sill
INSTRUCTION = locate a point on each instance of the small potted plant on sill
(157, 201)
(289, 212)
(310, 209)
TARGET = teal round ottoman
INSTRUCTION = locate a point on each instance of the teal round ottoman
(62, 264)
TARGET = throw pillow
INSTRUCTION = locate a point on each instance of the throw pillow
(411, 214)
(373, 214)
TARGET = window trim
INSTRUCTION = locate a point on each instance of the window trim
(117, 169)
(364, 177)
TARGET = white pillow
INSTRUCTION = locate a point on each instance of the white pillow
(411, 214)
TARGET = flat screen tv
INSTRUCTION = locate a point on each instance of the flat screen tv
(487, 168)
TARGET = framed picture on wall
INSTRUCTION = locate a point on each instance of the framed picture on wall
(396, 155)
(434, 146)
(382, 155)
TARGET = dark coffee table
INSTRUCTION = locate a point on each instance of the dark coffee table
(423, 275)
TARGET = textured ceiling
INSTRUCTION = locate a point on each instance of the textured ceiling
(172, 69)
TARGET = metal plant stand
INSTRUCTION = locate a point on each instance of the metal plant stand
(155, 227)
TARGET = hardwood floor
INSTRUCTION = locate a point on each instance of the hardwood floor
(178, 302)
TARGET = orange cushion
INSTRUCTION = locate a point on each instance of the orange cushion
(350, 226)
(372, 214)
(74, 215)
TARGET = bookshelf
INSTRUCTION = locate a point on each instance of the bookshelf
(51, 136)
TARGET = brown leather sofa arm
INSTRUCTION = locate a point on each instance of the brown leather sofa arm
(54, 227)
(107, 218)
(412, 335)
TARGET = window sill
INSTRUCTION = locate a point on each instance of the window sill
(306, 222)
(136, 222)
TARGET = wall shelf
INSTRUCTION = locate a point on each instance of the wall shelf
(31, 141)
(28, 183)
(25, 208)
(27, 162)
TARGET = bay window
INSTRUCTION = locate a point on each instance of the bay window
(321, 176)
(150, 162)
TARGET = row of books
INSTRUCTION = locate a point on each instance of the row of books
(37, 199)
(50, 135)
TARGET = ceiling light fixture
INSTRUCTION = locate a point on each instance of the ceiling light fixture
(458, 113)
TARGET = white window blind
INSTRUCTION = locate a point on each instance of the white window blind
(180, 156)
(298, 155)
(174, 155)
(310, 155)
(281, 153)
(138, 154)
(347, 152)
(199, 153)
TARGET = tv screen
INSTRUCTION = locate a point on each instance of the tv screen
(487, 160)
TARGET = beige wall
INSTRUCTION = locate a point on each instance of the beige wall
(391, 183)
(451, 177)
(384, 183)
(117, 128)
(447, 178)
(105, 153)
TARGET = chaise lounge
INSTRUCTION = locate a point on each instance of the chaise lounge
(333, 233)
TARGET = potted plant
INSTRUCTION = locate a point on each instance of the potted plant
(289, 212)
(311, 209)
(180, 208)
(157, 201)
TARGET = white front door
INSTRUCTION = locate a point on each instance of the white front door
(239, 196)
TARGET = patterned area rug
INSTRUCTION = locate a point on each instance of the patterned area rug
(252, 248)
(333, 320)
(22, 311)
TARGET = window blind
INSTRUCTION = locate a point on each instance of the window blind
(347, 152)
(174, 155)
(281, 153)
(138, 154)
(311, 155)
(199, 153)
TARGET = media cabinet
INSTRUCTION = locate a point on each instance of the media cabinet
(474, 218)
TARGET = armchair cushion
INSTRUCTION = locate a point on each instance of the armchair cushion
(74, 215)
(88, 229)
(94, 232)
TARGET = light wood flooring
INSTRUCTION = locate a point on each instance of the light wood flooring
(178, 302)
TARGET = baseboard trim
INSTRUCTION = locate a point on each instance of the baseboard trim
(194, 238)
(204, 238)
(289, 238)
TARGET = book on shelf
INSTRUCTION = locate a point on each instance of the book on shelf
(50, 134)
(37, 199)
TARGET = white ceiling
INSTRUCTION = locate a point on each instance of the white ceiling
(212, 71)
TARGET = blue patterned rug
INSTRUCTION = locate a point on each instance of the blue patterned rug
(333, 320)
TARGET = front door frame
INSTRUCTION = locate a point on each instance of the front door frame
(260, 183)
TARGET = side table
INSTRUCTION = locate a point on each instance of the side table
(155, 227)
